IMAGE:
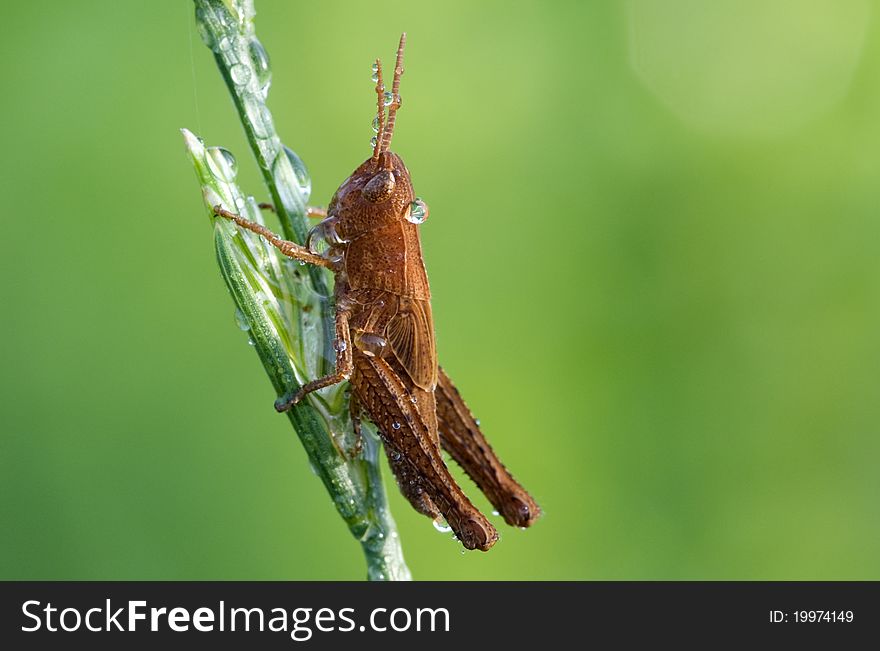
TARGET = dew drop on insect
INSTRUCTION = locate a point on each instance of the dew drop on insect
(441, 525)
(222, 163)
(387, 98)
(260, 59)
(375, 75)
(240, 74)
(418, 212)
(339, 345)
(495, 512)
(395, 425)
(477, 421)
(324, 237)
(376, 124)
(241, 320)
(369, 344)
(373, 141)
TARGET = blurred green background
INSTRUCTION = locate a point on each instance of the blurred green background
(653, 249)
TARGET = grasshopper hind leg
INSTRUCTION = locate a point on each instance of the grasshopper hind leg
(389, 404)
(407, 478)
(410, 485)
(461, 437)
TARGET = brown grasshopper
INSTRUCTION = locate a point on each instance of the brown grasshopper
(385, 339)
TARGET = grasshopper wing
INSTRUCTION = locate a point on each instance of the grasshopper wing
(411, 335)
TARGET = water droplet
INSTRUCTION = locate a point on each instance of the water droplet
(477, 421)
(251, 342)
(258, 115)
(225, 18)
(462, 551)
(222, 163)
(395, 425)
(375, 75)
(211, 197)
(323, 237)
(224, 45)
(387, 98)
(373, 141)
(441, 525)
(240, 74)
(241, 320)
(495, 512)
(418, 212)
(260, 59)
(376, 124)
(290, 169)
(292, 180)
(369, 344)
(339, 345)
(204, 32)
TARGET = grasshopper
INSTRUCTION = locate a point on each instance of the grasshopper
(385, 339)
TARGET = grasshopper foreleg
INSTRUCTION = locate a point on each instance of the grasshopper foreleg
(286, 247)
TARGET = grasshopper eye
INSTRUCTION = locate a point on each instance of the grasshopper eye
(379, 187)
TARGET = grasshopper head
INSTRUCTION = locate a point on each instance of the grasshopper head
(379, 191)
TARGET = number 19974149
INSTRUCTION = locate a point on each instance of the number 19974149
(805, 616)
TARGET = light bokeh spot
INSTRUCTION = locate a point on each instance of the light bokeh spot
(759, 67)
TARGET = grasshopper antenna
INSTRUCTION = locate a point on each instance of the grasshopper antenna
(380, 109)
(384, 141)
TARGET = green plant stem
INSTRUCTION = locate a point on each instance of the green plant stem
(270, 294)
